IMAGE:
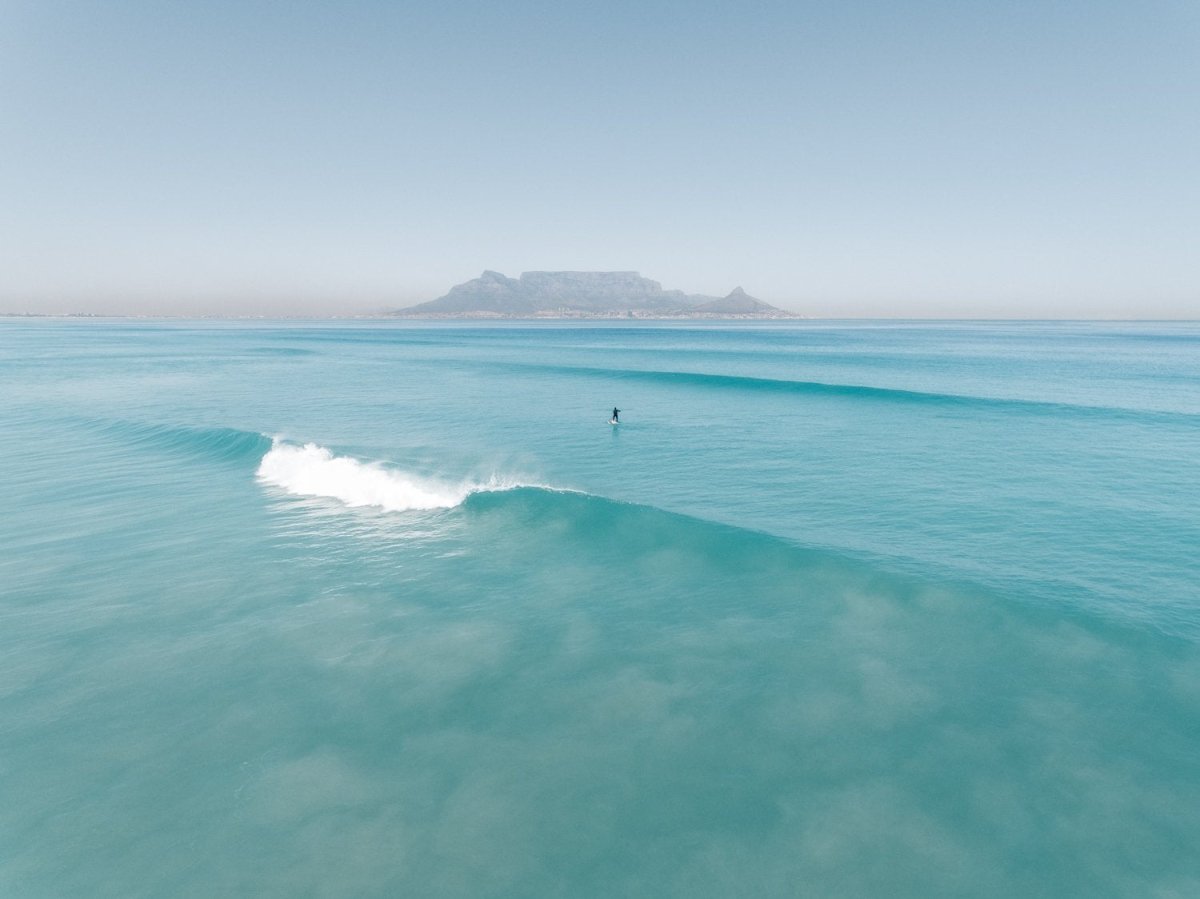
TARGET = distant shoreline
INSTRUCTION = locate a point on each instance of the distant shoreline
(429, 316)
(392, 317)
(604, 316)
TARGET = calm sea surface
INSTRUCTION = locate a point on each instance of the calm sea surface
(390, 609)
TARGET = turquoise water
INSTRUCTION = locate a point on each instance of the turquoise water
(388, 609)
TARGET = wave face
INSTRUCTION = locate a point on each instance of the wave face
(312, 470)
(216, 444)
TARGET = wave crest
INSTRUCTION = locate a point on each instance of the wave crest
(312, 470)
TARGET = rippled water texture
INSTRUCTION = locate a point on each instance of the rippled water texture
(380, 609)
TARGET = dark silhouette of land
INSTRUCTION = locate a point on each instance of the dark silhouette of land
(584, 295)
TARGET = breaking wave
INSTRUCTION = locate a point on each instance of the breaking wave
(312, 470)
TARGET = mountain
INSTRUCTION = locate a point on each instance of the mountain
(583, 294)
(737, 303)
(490, 292)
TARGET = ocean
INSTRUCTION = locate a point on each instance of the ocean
(379, 608)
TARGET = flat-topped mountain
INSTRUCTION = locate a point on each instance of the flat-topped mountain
(583, 295)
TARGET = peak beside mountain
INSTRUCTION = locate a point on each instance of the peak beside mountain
(737, 303)
(583, 294)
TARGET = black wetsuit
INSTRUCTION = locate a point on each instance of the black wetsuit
(616, 412)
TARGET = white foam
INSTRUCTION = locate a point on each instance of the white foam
(312, 470)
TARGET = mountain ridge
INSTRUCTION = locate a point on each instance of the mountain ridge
(576, 294)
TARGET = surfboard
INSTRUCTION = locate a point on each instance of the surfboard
(613, 421)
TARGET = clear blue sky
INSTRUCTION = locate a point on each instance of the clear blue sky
(837, 158)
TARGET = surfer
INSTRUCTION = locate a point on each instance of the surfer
(616, 414)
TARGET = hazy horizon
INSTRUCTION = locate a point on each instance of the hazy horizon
(858, 160)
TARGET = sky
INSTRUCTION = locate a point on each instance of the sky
(917, 159)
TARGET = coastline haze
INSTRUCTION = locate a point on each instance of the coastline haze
(853, 161)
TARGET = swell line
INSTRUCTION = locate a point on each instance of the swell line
(857, 391)
(221, 444)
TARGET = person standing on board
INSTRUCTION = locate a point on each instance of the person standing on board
(616, 413)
